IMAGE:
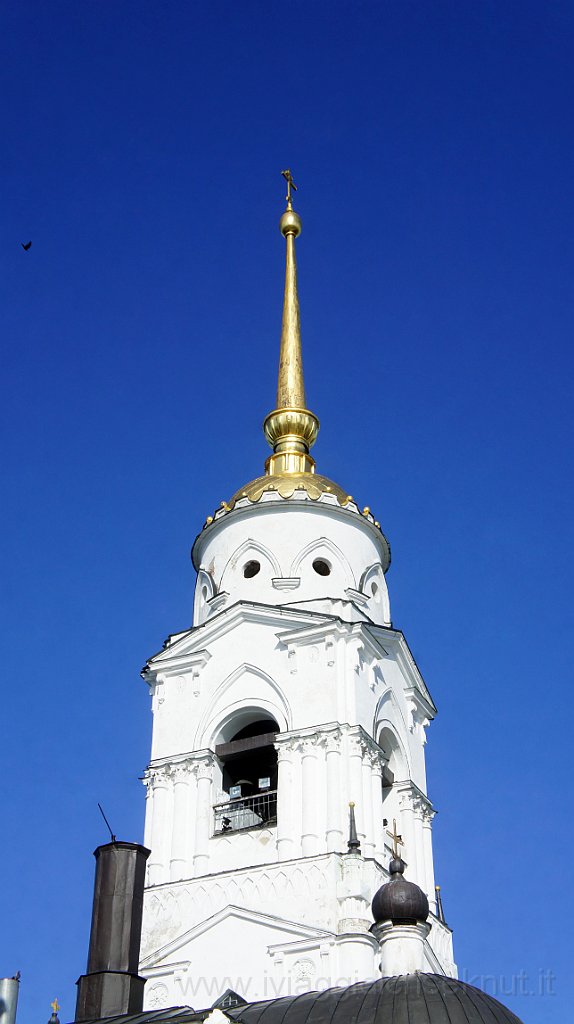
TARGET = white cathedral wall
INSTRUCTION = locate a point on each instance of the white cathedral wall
(310, 674)
(347, 699)
(267, 930)
(321, 769)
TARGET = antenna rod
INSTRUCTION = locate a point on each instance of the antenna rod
(107, 822)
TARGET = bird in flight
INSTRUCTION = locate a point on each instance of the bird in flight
(25, 246)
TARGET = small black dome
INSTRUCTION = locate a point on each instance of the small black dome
(399, 901)
(416, 998)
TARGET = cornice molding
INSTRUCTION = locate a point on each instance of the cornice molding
(410, 795)
(271, 503)
(395, 641)
(198, 763)
(200, 637)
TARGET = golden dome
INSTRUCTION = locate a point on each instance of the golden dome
(286, 484)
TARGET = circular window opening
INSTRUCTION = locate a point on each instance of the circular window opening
(322, 567)
(250, 569)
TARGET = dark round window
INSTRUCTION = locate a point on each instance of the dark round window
(251, 569)
(322, 567)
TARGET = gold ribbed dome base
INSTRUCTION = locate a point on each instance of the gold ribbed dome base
(286, 485)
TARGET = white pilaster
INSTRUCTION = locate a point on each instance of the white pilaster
(179, 839)
(335, 836)
(427, 816)
(409, 834)
(285, 800)
(148, 811)
(309, 830)
(355, 761)
(369, 848)
(158, 859)
(204, 773)
(377, 805)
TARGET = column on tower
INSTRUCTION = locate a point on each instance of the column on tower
(333, 770)
(414, 808)
(159, 782)
(203, 768)
(355, 748)
(377, 764)
(179, 863)
(369, 849)
(310, 795)
(408, 831)
(427, 815)
(365, 787)
(288, 841)
(148, 811)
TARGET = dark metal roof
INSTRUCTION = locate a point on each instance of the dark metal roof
(172, 1015)
(409, 999)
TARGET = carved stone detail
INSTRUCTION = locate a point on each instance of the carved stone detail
(181, 772)
(204, 769)
(333, 742)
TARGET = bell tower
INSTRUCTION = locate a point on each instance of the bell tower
(289, 726)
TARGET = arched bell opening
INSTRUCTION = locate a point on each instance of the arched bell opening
(249, 773)
(395, 771)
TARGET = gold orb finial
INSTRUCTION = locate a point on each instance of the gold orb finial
(290, 224)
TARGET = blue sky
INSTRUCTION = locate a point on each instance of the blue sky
(433, 149)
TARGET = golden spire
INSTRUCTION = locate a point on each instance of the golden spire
(291, 428)
(290, 384)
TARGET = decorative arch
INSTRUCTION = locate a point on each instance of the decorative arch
(373, 576)
(371, 572)
(389, 740)
(240, 716)
(319, 545)
(204, 591)
(267, 697)
(388, 697)
(390, 722)
(248, 546)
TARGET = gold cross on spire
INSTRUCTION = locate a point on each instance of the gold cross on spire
(55, 1006)
(397, 839)
(290, 185)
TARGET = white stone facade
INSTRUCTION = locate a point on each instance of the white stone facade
(283, 907)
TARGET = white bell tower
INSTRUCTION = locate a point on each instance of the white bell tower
(290, 698)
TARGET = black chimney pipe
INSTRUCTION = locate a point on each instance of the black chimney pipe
(111, 985)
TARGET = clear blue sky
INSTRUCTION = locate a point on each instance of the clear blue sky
(433, 148)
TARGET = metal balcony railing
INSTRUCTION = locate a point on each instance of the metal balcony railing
(246, 812)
